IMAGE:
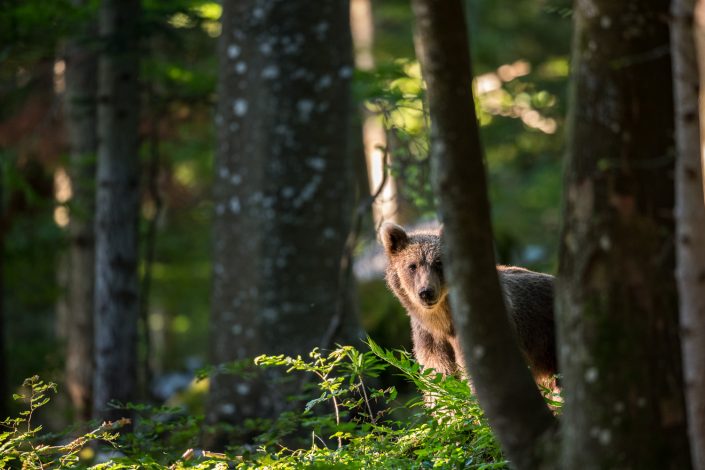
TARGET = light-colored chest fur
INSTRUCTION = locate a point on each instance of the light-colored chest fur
(437, 321)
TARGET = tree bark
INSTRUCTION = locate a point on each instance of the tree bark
(510, 399)
(81, 114)
(116, 288)
(283, 197)
(617, 300)
(690, 221)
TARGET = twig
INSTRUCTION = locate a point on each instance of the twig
(337, 419)
(82, 440)
(367, 401)
(314, 437)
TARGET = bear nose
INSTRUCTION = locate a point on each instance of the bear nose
(427, 295)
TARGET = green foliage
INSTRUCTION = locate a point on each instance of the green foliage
(350, 424)
(21, 442)
(362, 430)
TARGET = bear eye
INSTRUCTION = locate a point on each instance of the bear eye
(438, 266)
(412, 267)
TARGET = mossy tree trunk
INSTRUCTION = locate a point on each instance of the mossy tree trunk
(690, 220)
(81, 119)
(117, 208)
(283, 192)
(617, 299)
(510, 399)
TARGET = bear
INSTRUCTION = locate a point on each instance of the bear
(414, 274)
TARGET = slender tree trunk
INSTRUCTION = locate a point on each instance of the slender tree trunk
(690, 220)
(116, 288)
(3, 333)
(283, 195)
(147, 355)
(81, 113)
(363, 33)
(617, 300)
(699, 33)
(374, 138)
(510, 399)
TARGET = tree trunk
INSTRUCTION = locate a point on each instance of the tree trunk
(81, 115)
(510, 399)
(116, 287)
(3, 334)
(690, 221)
(283, 196)
(617, 300)
(374, 138)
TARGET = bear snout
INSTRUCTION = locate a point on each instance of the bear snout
(428, 297)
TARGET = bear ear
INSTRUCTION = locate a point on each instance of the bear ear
(393, 237)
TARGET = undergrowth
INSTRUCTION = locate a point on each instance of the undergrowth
(351, 424)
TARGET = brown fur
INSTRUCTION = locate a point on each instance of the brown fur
(415, 275)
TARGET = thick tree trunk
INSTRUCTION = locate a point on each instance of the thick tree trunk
(283, 196)
(504, 386)
(690, 221)
(116, 287)
(81, 114)
(617, 300)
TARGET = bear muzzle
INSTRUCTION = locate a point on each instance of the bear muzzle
(428, 297)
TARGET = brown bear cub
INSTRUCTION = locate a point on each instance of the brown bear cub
(415, 275)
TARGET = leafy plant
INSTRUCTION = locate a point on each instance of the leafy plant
(450, 434)
(20, 441)
(351, 424)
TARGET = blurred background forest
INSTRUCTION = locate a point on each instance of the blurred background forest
(521, 58)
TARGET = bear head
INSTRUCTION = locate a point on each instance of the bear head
(414, 268)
